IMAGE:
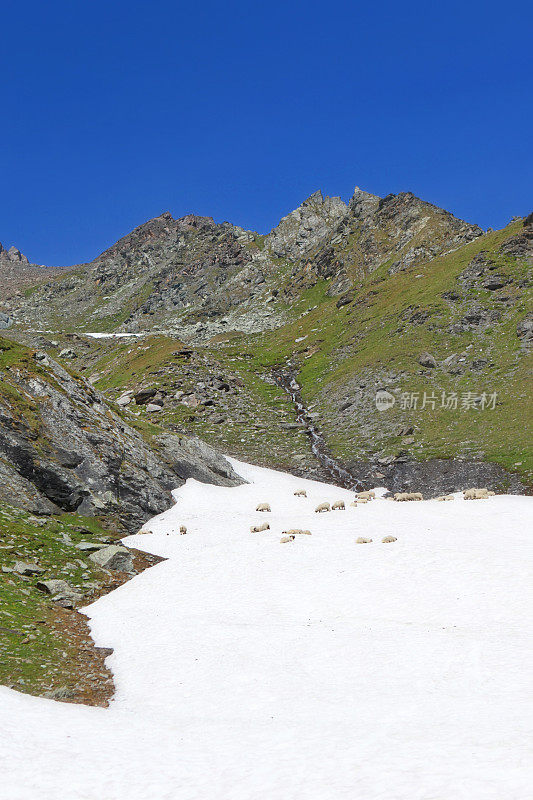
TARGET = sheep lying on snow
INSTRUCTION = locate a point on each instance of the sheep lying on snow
(183, 529)
(258, 528)
(362, 540)
(338, 505)
(370, 495)
(403, 496)
(477, 494)
(389, 539)
(295, 532)
(300, 493)
(444, 497)
(263, 507)
(322, 507)
(285, 539)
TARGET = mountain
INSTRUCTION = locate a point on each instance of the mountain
(16, 273)
(378, 295)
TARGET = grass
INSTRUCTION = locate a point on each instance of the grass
(37, 651)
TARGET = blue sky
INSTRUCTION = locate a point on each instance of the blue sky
(113, 112)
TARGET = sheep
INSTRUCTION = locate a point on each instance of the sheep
(295, 532)
(388, 539)
(183, 529)
(403, 496)
(338, 505)
(354, 504)
(362, 540)
(477, 494)
(263, 507)
(362, 500)
(258, 528)
(300, 493)
(322, 507)
(285, 539)
(143, 531)
(370, 495)
(444, 497)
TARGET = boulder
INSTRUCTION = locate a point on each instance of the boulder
(113, 557)
(427, 360)
(144, 395)
(55, 586)
(27, 568)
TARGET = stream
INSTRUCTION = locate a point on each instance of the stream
(340, 476)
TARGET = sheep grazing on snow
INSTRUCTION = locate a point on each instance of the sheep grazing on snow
(362, 500)
(258, 528)
(477, 494)
(444, 497)
(389, 539)
(263, 507)
(296, 532)
(404, 496)
(362, 540)
(285, 539)
(183, 529)
(370, 495)
(143, 531)
(338, 505)
(322, 507)
(300, 493)
(354, 504)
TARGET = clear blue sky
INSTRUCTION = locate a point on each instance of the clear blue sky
(115, 111)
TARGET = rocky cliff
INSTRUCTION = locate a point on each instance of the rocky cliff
(62, 448)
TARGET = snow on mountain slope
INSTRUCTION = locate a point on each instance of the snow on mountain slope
(320, 669)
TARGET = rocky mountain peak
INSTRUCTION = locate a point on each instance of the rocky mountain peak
(307, 226)
(13, 255)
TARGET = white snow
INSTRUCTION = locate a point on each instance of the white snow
(114, 335)
(322, 669)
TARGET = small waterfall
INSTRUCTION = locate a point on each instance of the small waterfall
(340, 476)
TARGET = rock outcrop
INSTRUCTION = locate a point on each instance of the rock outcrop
(63, 448)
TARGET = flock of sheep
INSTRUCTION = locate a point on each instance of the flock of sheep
(339, 505)
(361, 498)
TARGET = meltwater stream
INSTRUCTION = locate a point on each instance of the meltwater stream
(340, 476)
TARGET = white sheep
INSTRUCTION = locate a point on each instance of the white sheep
(477, 494)
(296, 532)
(285, 539)
(322, 507)
(354, 504)
(403, 496)
(388, 539)
(300, 493)
(444, 497)
(338, 505)
(370, 495)
(183, 529)
(362, 540)
(263, 507)
(258, 528)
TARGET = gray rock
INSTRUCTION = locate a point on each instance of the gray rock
(56, 586)
(5, 321)
(113, 557)
(153, 408)
(68, 352)
(427, 360)
(27, 568)
(90, 547)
